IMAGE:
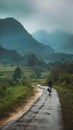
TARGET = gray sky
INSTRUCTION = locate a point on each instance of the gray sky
(40, 14)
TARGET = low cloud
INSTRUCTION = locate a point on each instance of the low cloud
(40, 14)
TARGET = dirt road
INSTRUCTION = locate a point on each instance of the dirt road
(45, 114)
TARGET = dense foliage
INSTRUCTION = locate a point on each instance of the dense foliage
(62, 76)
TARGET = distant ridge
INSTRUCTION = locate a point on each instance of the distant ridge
(61, 41)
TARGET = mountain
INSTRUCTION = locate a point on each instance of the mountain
(17, 43)
(9, 57)
(13, 36)
(59, 40)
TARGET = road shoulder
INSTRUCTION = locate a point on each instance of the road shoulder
(23, 109)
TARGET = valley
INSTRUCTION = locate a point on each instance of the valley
(25, 62)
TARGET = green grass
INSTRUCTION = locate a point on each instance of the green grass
(6, 71)
(7, 68)
(13, 97)
(66, 98)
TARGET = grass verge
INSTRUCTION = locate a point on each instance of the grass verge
(66, 99)
(13, 98)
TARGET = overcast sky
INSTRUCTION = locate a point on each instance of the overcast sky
(40, 14)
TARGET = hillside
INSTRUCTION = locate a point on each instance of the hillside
(13, 36)
(60, 58)
(9, 57)
(61, 41)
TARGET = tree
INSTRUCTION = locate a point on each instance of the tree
(17, 74)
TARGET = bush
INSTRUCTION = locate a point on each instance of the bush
(63, 74)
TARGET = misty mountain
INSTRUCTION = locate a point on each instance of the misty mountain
(13, 36)
(59, 40)
(17, 43)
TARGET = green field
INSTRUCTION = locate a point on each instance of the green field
(7, 71)
(7, 68)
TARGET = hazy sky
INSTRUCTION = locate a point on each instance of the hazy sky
(40, 14)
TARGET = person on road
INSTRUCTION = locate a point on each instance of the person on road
(50, 86)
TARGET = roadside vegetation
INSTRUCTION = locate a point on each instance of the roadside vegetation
(62, 76)
(12, 97)
(14, 90)
(16, 86)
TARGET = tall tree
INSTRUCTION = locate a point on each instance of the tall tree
(17, 74)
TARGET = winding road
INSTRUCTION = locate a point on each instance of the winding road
(45, 114)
